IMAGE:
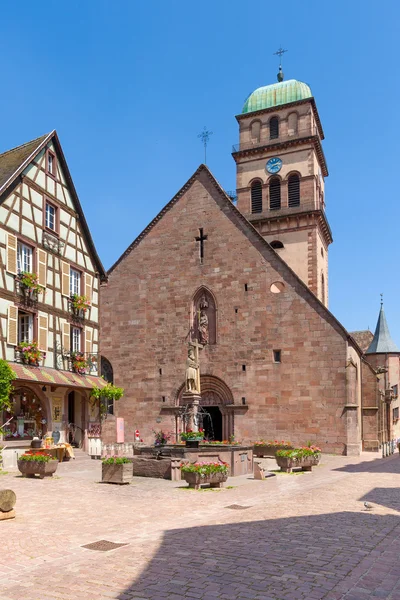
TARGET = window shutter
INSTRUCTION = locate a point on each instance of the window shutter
(12, 326)
(66, 337)
(294, 191)
(256, 197)
(274, 194)
(65, 279)
(42, 267)
(88, 341)
(43, 329)
(88, 286)
(11, 253)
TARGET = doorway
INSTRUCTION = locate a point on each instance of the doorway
(213, 425)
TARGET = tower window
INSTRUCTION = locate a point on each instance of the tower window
(277, 356)
(256, 197)
(274, 193)
(294, 190)
(323, 288)
(276, 244)
(274, 128)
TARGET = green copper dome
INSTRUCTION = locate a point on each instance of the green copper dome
(276, 94)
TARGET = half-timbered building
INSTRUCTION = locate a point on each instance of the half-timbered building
(49, 298)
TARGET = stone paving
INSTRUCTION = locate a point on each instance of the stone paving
(297, 537)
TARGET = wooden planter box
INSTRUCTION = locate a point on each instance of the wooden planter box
(305, 464)
(121, 473)
(268, 450)
(195, 480)
(30, 468)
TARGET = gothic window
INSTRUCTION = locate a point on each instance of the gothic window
(276, 244)
(255, 131)
(204, 317)
(256, 197)
(107, 370)
(294, 190)
(275, 193)
(274, 128)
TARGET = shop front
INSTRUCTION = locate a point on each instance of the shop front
(50, 405)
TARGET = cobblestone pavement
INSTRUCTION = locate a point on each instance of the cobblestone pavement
(300, 537)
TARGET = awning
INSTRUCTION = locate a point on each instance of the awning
(55, 377)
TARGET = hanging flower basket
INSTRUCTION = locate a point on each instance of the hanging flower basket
(79, 305)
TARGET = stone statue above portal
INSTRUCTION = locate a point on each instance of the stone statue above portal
(204, 318)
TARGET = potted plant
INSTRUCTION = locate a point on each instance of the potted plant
(79, 305)
(270, 447)
(161, 438)
(29, 284)
(37, 463)
(30, 353)
(79, 363)
(298, 458)
(214, 473)
(192, 438)
(116, 469)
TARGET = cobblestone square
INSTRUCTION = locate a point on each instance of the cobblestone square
(303, 537)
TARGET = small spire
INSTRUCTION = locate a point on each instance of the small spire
(279, 53)
(381, 299)
(382, 342)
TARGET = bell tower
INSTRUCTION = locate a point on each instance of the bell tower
(280, 171)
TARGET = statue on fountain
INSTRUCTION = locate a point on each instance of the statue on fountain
(192, 372)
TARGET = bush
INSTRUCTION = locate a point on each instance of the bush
(205, 468)
(116, 460)
(41, 457)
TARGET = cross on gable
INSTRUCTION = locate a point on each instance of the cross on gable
(201, 239)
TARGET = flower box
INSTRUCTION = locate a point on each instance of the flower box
(305, 463)
(43, 469)
(260, 450)
(195, 480)
(117, 473)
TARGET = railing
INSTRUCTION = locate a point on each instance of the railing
(23, 358)
(26, 296)
(284, 136)
(82, 363)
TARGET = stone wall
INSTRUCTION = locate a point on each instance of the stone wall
(146, 309)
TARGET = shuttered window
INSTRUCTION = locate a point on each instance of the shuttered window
(65, 279)
(256, 197)
(12, 326)
(88, 286)
(274, 128)
(43, 331)
(88, 341)
(25, 327)
(274, 193)
(75, 282)
(294, 190)
(42, 267)
(76, 339)
(66, 338)
(11, 254)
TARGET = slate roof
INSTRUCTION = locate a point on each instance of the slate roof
(382, 342)
(363, 338)
(14, 162)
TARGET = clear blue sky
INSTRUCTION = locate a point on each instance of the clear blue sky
(128, 85)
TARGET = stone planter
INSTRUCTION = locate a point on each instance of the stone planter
(195, 480)
(305, 464)
(30, 468)
(193, 443)
(268, 450)
(121, 473)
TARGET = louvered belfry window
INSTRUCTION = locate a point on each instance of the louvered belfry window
(274, 128)
(274, 193)
(256, 197)
(294, 190)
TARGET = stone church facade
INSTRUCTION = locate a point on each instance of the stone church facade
(250, 284)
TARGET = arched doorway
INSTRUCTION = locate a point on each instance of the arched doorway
(217, 401)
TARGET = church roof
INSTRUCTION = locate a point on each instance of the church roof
(363, 338)
(277, 94)
(252, 235)
(13, 162)
(382, 342)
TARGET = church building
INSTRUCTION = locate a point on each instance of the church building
(246, 284)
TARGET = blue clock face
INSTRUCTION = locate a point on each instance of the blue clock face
(274, 165)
